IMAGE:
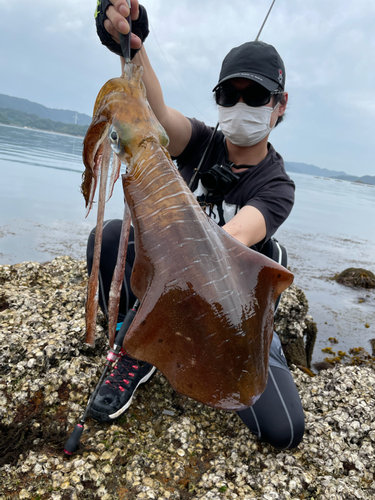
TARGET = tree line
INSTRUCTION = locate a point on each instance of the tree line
(21, 119)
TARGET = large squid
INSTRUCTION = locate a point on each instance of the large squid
(207, 301)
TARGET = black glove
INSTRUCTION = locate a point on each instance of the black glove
(139, 28)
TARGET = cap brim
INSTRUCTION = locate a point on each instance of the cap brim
(270, 85)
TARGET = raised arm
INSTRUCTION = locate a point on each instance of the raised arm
(176, 125)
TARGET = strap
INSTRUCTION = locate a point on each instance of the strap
(192, 180)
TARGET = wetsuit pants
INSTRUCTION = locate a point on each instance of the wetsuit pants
(277, 417)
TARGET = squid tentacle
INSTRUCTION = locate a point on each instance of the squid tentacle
(118, 275)
(115, 174)
(93, 285)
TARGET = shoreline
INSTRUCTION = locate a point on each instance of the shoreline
(356, 183)
(290, 172)
(41, 130)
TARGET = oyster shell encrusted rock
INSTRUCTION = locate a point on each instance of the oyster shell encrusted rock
(165, 446)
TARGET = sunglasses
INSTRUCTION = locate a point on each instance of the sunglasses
(254, 95)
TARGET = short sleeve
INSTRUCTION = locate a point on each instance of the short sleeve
(200, 136)
(275, 202)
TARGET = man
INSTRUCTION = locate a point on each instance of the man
(248, 193)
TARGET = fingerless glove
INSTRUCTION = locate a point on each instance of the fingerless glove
(139, 27)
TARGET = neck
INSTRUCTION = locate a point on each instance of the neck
(251, 155)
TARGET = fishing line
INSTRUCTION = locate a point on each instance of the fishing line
(178, 81)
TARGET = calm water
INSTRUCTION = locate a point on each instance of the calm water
(42, 208)
(331, 227)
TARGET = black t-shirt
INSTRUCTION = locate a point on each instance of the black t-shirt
(265, 186)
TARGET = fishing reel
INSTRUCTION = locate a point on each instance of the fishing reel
(220, 179)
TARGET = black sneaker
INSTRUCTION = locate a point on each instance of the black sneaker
(117, 391)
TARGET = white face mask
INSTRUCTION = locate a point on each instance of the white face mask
(244, 125)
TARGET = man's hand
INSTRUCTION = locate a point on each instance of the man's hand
(110, 18)
(117, 23)
(110, 21)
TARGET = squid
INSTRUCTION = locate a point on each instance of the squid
(206, 300)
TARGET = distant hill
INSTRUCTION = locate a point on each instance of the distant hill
(56, 115)
(304, 168)
(21, 119)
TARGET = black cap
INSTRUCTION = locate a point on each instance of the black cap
(256, 61)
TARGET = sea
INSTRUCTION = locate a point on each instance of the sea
(331, 228)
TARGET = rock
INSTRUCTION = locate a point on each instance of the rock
(296, 329)
(24, 494)
(191, 451)
(323, 365)
(372, 342)
(356, 277)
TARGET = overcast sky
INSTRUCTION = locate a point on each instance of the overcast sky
(50, 54)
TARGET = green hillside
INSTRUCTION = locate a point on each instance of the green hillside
(21, 119)
(33, 108)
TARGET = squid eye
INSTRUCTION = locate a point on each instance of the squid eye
(113, 136)
(114, 139)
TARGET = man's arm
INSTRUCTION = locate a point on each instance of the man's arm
(247, 226)
(176, 125)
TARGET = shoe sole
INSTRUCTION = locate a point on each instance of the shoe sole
(126, 406)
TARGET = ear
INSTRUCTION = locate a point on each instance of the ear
(283, 104)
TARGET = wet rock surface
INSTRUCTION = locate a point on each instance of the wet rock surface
(166, 446)
(356, 277)
(295, 327)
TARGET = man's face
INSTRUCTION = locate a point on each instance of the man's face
(244, 83)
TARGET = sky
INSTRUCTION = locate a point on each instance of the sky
(50, 54)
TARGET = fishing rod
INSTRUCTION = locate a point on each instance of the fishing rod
(196, 172)
(265, 20)
(72, 443)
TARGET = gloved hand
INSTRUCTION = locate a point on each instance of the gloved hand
(139, 27)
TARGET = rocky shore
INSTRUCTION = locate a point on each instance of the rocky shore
(166, 446)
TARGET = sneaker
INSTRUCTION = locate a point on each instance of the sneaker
(116, 393)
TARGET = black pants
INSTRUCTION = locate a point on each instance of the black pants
(277, 417)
